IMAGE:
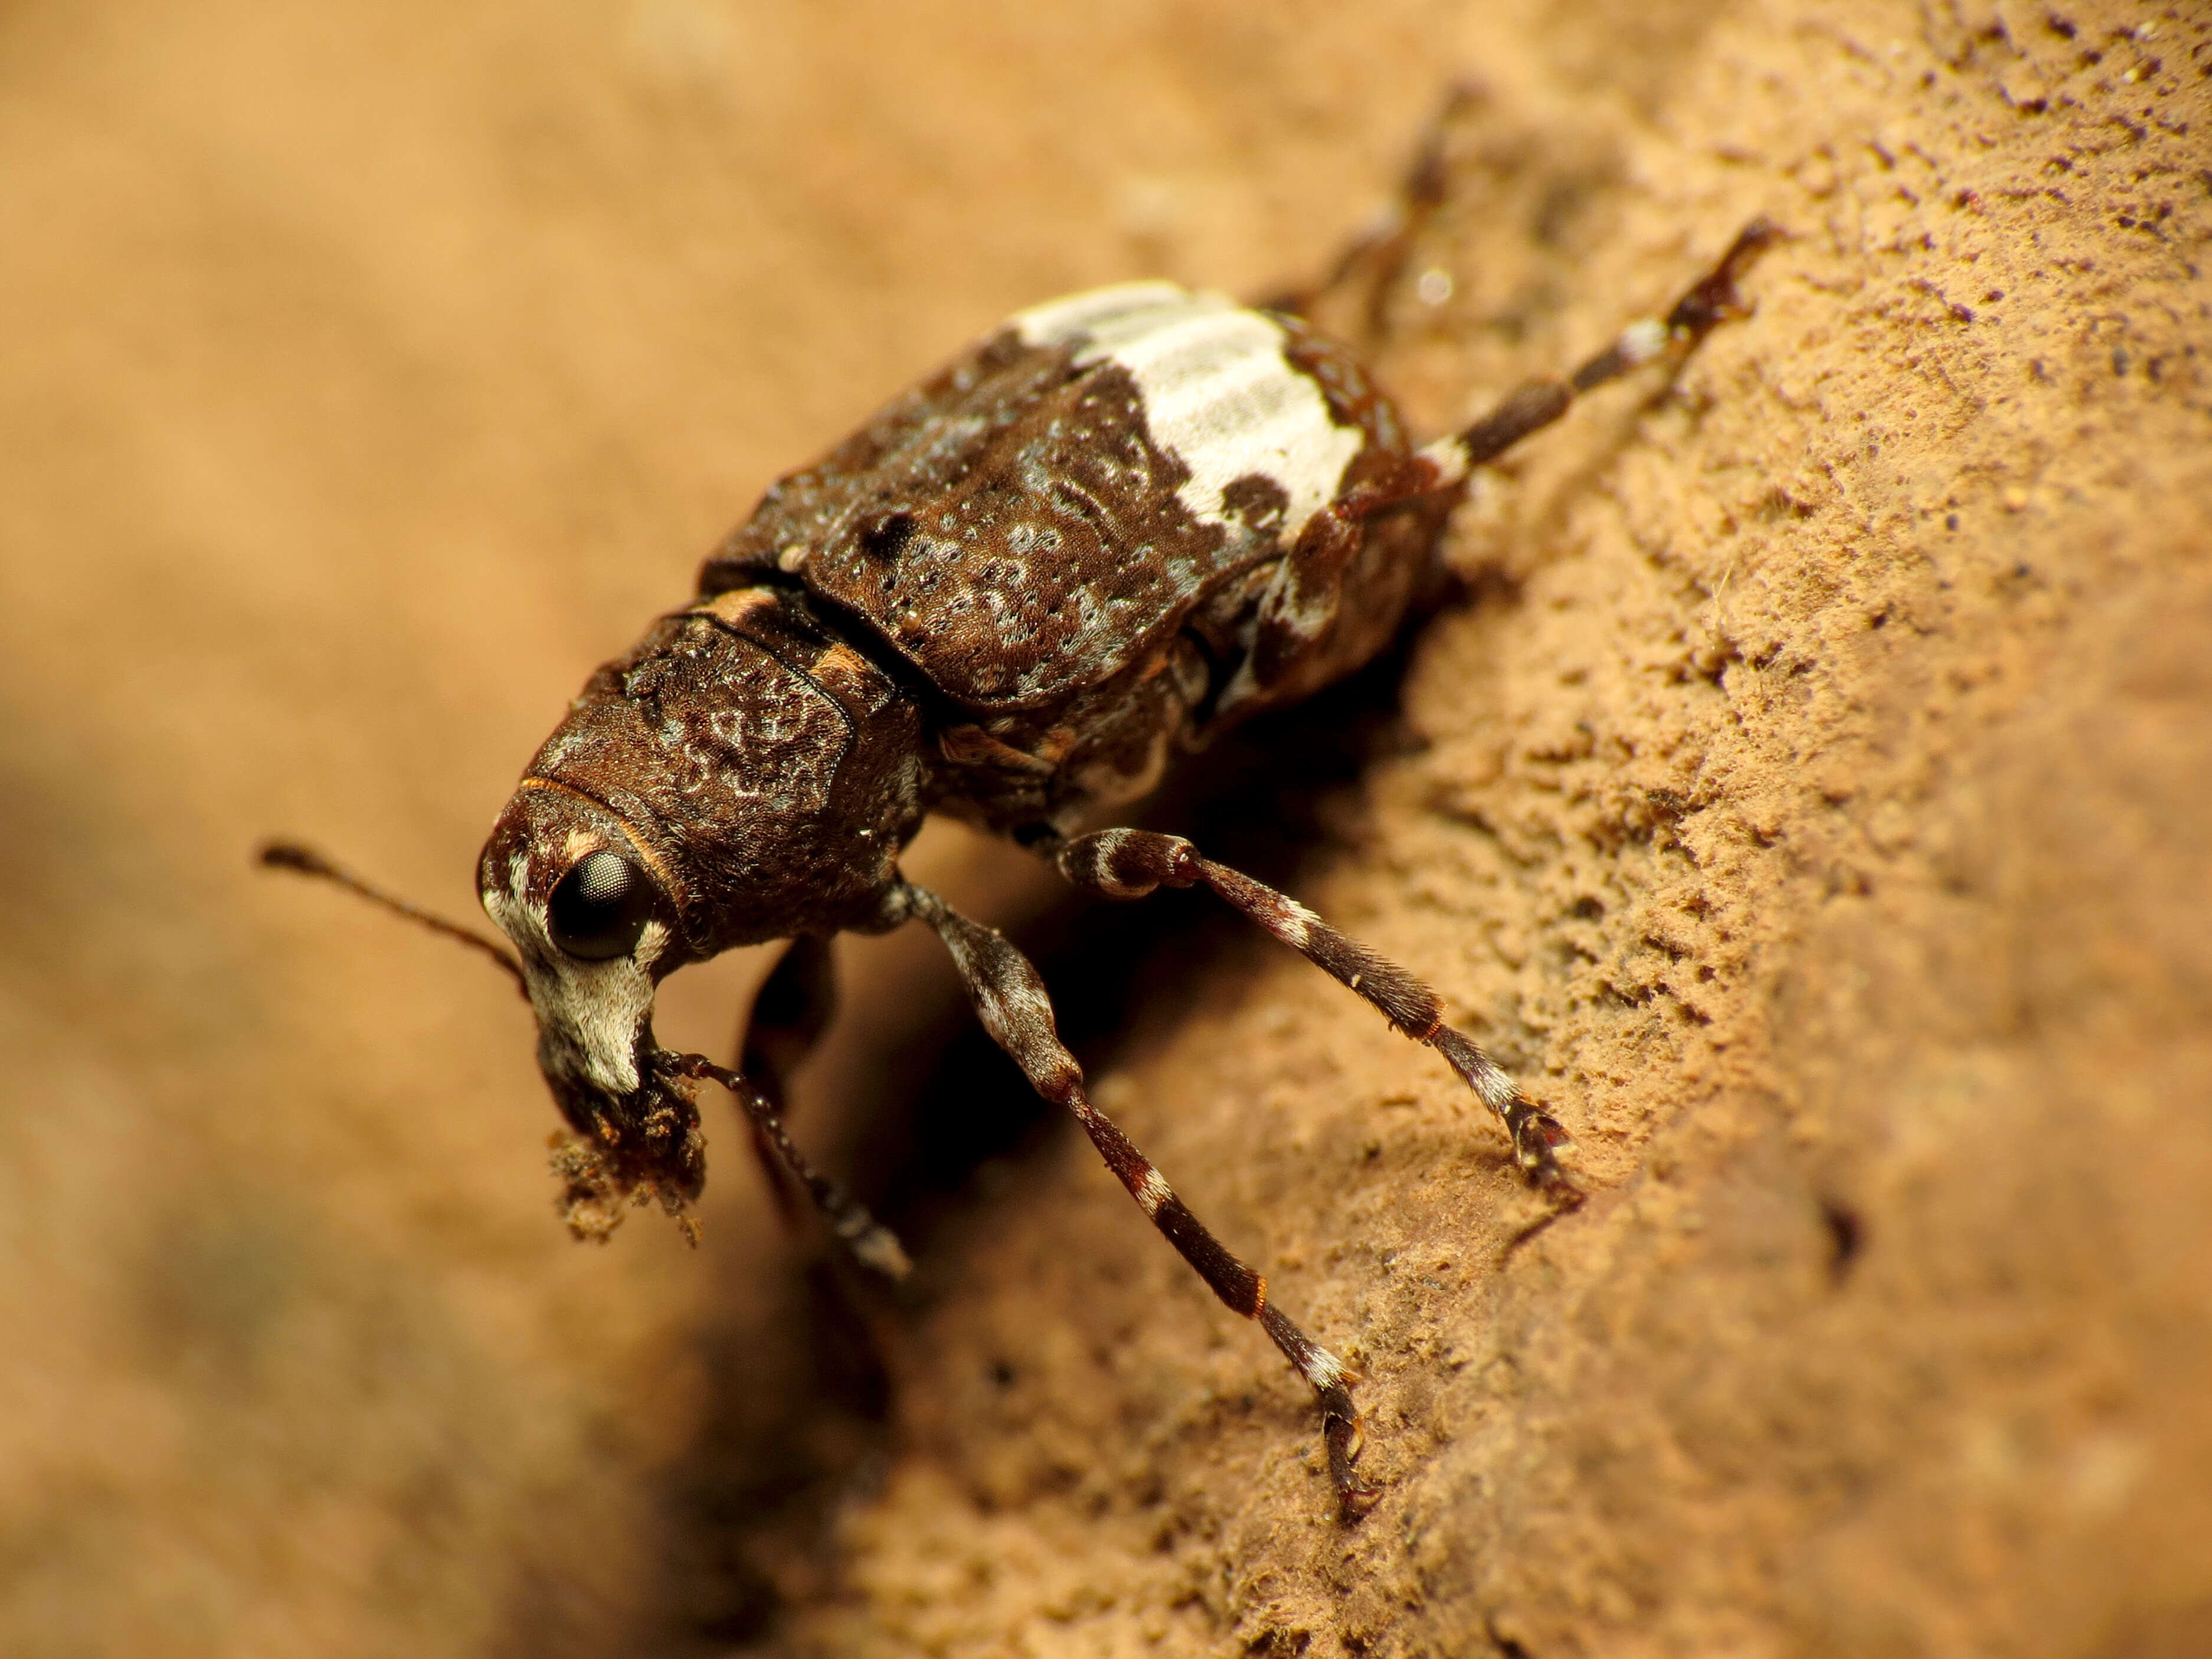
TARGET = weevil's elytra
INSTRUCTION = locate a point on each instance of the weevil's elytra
(1112, 527)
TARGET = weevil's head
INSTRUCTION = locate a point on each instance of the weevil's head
(739, 776)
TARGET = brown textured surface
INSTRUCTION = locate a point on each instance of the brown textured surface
(1813, 805)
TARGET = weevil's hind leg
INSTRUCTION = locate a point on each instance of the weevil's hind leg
(1010, 1000)
(1709, 303)
(1376, 257)
(1295, 642)
(1129, 863)
(789, 1014)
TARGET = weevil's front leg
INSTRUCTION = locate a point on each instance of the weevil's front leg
(790, 1011)
(1129, 863)
(871, 1243)
(1009, 998)
(789, 1014)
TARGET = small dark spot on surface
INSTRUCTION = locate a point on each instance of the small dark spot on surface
(1846, 1238)
(2121, 361)
(2059, 26)
(1506, 1646)
(1587, 908)
(1002, 1373)
(1950, 521)
(887, 537)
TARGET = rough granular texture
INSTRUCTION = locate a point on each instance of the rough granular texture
(1806, 793)
(1816, 806)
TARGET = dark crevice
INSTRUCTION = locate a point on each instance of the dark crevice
(1846, 1238)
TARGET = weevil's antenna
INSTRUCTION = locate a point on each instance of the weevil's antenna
(307, 861)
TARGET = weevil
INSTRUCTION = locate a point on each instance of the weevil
(1115, 526)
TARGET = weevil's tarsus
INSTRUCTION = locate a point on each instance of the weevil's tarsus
(1010, 1000)
(1714, 299)
(1131, 863)
(305, 860)
(1328, 584)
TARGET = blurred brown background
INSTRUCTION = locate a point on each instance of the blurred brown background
(1810, 799)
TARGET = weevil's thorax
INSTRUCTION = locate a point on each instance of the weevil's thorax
(763, 770)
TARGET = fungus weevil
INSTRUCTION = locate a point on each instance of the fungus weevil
(1117, 524)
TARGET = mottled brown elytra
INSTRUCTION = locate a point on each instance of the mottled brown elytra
(1112, 528)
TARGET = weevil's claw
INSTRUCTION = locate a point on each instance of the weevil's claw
(1536, 1136)
(1715, 300)
(1354, 1497)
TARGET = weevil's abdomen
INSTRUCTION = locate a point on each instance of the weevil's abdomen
(1035, 520)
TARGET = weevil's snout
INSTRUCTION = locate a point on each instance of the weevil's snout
(595, 927)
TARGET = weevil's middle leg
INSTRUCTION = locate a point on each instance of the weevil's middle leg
(1129, 863)
(789, 1014)
(1378, 253)
(1010, 1000)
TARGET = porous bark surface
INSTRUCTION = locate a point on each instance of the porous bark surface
(1805, 793)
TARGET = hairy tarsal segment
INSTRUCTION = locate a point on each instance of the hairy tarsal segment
(1109, 529)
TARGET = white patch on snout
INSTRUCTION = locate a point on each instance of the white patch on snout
(1217, 390)
(589, 1013)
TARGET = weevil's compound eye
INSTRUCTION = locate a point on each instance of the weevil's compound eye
(601, 907)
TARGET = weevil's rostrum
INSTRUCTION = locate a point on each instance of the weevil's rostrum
(1116, 524)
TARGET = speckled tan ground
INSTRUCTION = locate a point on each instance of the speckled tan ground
(1813, 802)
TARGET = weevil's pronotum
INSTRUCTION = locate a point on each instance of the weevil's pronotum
(1116, 526)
